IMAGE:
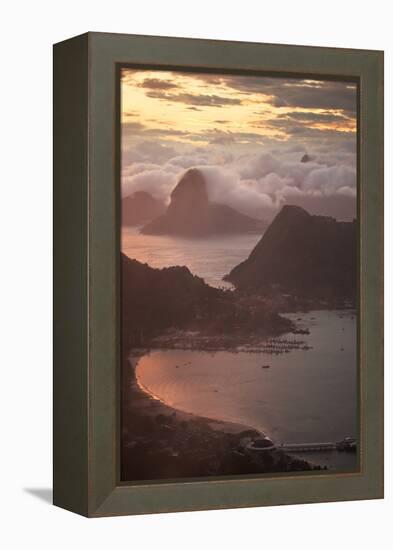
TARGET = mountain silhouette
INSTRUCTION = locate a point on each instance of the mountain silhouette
(191, 214)
(302, 254)
(139, 208)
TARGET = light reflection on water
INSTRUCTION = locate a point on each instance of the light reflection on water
(210, 259)
(305, 396)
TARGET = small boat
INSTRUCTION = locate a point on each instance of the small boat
(266, 366)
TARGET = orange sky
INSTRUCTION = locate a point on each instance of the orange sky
(201, 106)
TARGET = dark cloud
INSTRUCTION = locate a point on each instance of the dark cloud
(281, 92)
(126, 76)
(204, 100)
(317, 133)
(310, 117)
(157, 84)
(164, 132)
(132, 126)
(287, 92)
(209, 79)
(304, 127)
(328, 95)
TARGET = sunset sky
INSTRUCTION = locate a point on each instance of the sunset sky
(247, 134)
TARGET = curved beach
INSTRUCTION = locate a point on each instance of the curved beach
(160, 442)
(292, 393)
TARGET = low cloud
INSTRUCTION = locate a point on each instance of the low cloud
(332, 179)
(258, 184)
(157, 181)
(188, 161)
(226, 187)
(147, 151)
(222, 138)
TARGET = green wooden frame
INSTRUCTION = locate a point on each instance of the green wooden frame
(86, 289)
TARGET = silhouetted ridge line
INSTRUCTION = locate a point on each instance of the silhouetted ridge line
(302, 254)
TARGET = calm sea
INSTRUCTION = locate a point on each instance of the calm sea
(210, 262)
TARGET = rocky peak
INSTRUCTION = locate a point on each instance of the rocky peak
(190, 213)
(190, 192)
(302, 254)
(292, 212)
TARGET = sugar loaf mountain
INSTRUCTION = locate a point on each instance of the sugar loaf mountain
(191, 213)
(302, 255)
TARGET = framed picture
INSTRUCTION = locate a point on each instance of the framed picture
(218, 261)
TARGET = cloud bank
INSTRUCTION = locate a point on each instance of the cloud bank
(257, 184)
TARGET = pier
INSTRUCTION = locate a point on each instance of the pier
(308, 447)
(264, 444)
(347, 444)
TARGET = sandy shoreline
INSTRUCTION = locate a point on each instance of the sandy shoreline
(160, 442)
(215, 423)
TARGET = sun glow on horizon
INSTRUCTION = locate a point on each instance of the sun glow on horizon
(188, 107)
